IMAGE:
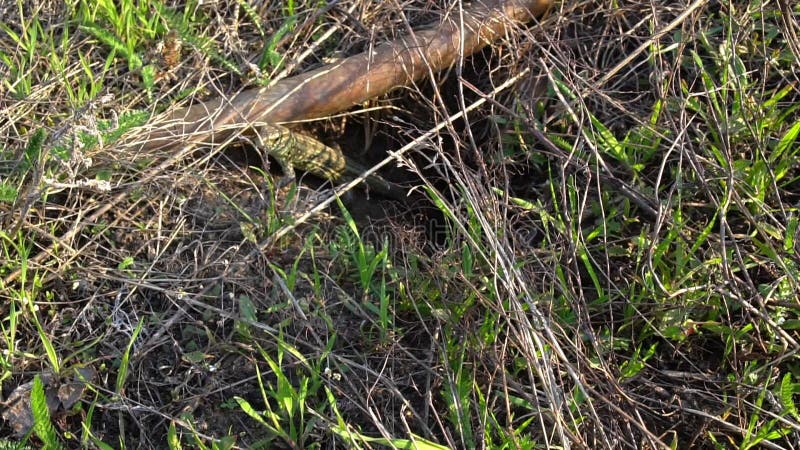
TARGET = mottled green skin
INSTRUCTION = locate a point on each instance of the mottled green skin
(296, 151)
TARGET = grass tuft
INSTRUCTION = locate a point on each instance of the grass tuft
(603, 256)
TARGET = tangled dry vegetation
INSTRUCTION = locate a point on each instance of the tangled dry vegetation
(602, 255)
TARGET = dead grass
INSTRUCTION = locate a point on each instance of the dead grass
(602, 256)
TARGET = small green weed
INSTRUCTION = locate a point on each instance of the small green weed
(287, 400)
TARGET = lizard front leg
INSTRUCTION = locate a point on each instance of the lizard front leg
(296, 151)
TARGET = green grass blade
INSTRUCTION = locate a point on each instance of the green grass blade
(122, 374)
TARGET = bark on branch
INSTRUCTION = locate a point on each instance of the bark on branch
(334, 88)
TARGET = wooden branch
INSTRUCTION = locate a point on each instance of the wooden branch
(337, 87)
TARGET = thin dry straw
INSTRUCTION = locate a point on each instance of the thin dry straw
(337, 87)
(299, 98)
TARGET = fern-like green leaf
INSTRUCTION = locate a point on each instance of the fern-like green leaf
(10, 445)
(203, 44)
(787, 389)
(252, 14)
(42, 425)
(115, 43)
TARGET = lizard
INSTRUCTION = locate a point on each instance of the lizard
(327, 90)
(294, 150)
(336, 87)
